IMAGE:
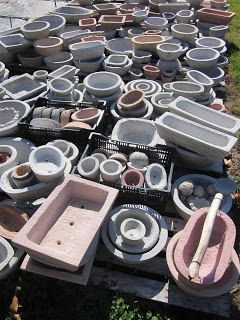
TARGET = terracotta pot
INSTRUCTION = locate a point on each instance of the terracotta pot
(131, 99)
(215, 16)
(132, 178)
(88, 115)
(151, 72)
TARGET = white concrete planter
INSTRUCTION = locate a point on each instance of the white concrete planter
(169, 51)
(35, 30)
(196, 137)
(89, 168)
(9, 161)
(186, 89)
(218, 31)
(156, 177)
(102, 83)
(66, 72)
(73, 14)
(155, 23)
(111, 170)
(57, 23)
(141, 56)
(6, 253)
(106, 8)
(118, 70)
(59, 60)
(198, 179)
(11, 111)
(139, 16)
(14, 43)
(216, 74)
(22, 176)
(210, 42)
(118, 235)
(201, 58)
(89, 66)
(148, 86)
(120, 46)
(74, 36)
(87, 50)
(164, 65)
(48, 163)
(60, 86)
(161, 101)
(184, 16)
(182, 31)
(200, 78)
(40, 75)
(69, 149)
(48, 46)
(136, 131)
(204, 115)
(135, 73)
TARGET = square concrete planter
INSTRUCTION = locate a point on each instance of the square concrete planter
(112, 22)
(205, 115)
(63, 239)
(14, 43)
(23, 86)
(196, 137)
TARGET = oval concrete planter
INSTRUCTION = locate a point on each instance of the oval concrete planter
(48, 46)
(198, 179)
(147, 42)
(36, 30)
(120, 46)
(73, 14)
(169, 51)
(131, 99)
(110, 170)
(118, 70)
(218, 31)
(186, 32)
(102, 83)
(88, 115)
(57, 23)
(210, 42)
(22, 176)
(201, 58)
(87, 50)
(200, 78)
(186, 88)
(7, 253)
(59, 60)
(155, 23)
(141, 56)
(156, 177)
(67, 72)
(216, 74)
(132, 178)
(48, 163)
(40, 75)
(116, 60)
(89, 168)
(184, 16)
(139, 16)
(60, 86)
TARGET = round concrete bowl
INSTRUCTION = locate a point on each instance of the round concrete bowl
(218, 31)
(60, 86)
(170, 16)
(186, 89)
(30, 58)
(59, 60)
(183, 31)
(135, 31)
(160, 102)
(141, 56)
(6, 253)
(216, 74)
(62, 145)
(132, 178)
(88, 115)
(147, 42)
(118, 70)
(200, 78)
(36, 30)
(40, 75)
(110, 170)
(47, 163)
(57, 23)
(22, 176)
(2, 69)
(182, 43)
(139, 16)
(120, 46)
(210, 42)
(135, 73)
(117, 60)
(87, 50)
(89, 66)
(48, 46)
(150, 87)
(200, 58)
(198, 179)
(73, 14)
(89, 168)
(8, 157)
(155, 23)
(184, 16)
(156, 177)
(169, 51)
(102, 83)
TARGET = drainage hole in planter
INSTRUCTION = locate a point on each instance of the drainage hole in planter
(59, 242)
(82, 207)
(71, 223)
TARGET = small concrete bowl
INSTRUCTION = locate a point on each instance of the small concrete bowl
(60, 86)
(48, 46)
(210, 42)
(155, 23)
(57, 23)
(141, 56)
(169, 51)
(184, 16)
(36, 30)
(184, 31)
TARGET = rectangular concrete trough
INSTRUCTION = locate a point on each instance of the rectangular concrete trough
(62, 230)
(208, 142)
(205, 115)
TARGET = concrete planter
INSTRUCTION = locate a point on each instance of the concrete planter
(106, 8)
(36, 30)
(135, 73)
(48, 46)
(155, 23)
(215, 16)
(65, 72)
(150, 87)
(22, 176)
(6, 253)
(89, 66)
(182, 31)
(156, 177)
(57, 23)
(200, 78)
(139, 16)
(201, 58)
(184, 16)
(170, 16)
(59, 60)
(111, 21)
(210, 42)
(216, 74)
(89, 24)
(40, 75)
(118, 70)
(196, 137)
(135, 131)
(75, 36)
(147, 42)
(131, 99)
(48, 163)
(60, 86)
(186, 89)
(110, 170)
(14, 43)
(161, 101)
(120, 46)
(88, 115)
(87, 50)
(169, 51)
(135, 31)
(132, 178)
(141, 56)
(30, 58)
(89, 168)
(204, 115)
(73, 14)
(173, 7)
(151, 72)
(218, 31)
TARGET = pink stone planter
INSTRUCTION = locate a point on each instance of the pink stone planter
(88, 115)
(218, 255)
(215, 16)
(78, 208)
(132, 99)
(132, 178)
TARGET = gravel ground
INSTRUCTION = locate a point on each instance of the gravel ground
(24, 8)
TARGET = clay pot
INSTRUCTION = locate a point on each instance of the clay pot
(151, 72)
(131, 99)
(22, 176)
(132, 178)
(88, 115)
(217, 16)
(219, 107)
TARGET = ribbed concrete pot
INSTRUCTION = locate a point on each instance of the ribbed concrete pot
(150, 87)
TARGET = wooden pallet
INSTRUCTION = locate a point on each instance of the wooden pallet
(152, 280)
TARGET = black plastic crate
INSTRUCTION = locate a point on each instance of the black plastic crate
(79, 137)
(159, 154)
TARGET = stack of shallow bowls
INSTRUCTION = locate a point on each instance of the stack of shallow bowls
(118, 63)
